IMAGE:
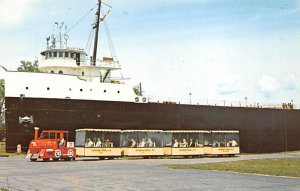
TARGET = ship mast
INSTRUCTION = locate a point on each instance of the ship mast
(97, 24)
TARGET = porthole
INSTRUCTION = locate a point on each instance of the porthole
(26, 88)
(91, 90)
(60, 72)
(81, 90)
(48, 88)
(118, 91)
(70, 89)
(52, 72)
(104, 91)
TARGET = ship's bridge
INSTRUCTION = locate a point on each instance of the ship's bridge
(67, 57)
(74, 61)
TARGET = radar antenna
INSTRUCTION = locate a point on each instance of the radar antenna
(47, 39)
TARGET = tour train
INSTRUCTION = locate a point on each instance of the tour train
(112, 143)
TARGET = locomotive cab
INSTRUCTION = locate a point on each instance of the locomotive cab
(51, 144)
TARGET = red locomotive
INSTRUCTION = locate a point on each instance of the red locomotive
(52, 144)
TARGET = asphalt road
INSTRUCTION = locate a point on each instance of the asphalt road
(17, 173)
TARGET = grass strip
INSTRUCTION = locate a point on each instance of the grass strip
(275, 167)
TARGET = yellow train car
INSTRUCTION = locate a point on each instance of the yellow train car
(142, 143)
(184, 143)
(221, 143)
(102, 143)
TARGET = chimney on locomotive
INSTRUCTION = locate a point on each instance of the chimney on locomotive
(36, 133)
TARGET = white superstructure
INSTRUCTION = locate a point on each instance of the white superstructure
(66, 74)
(69, 73)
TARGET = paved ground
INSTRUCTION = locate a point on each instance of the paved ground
(17, 173)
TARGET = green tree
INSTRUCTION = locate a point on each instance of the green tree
(27, 66)
(2, 122)
(1, 90)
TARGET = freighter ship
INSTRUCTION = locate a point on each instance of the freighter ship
(73, 91)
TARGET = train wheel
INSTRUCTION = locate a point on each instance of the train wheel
(46, 159)
(33, 160)
(55, 159)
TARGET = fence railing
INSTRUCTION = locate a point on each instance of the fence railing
(223, 103)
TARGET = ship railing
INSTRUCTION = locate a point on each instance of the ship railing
(223, 103)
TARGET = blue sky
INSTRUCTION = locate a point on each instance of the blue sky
(215, 49)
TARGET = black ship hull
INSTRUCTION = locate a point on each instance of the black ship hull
(261, 130)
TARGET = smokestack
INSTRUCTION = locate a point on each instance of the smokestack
(36, 132)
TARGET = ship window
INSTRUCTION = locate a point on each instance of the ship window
(48, 88)
(54, 54)
(26, 88)
(72, 55)
(60, 72)
(104, 91)
(60, 54)
(50, 54)
(82, 73)
(66, 54)
(46, 55)
(52, 72)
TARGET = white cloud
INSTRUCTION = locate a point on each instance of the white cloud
(228, 86)
(268, 85)
(12, 12)
(290, 83)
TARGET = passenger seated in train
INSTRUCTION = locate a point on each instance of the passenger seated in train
(133, 143)
(150, 143)
(216, 144)
(233, 143)
(196, 143)
(184, 143)
(89, 143)
(142, 143)
(108, 143)
(99, 143)
(191, 143)
(176, 143)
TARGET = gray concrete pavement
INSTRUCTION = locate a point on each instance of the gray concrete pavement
(17, 173)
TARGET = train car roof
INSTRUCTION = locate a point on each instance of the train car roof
(54, 131)
(100, 130)
(186, 131)
(225, 131)
(158, 131)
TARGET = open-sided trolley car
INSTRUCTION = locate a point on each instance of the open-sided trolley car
(145, 143)
(222, 143)
(184, 143)
(102, 143)
(110, 143)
